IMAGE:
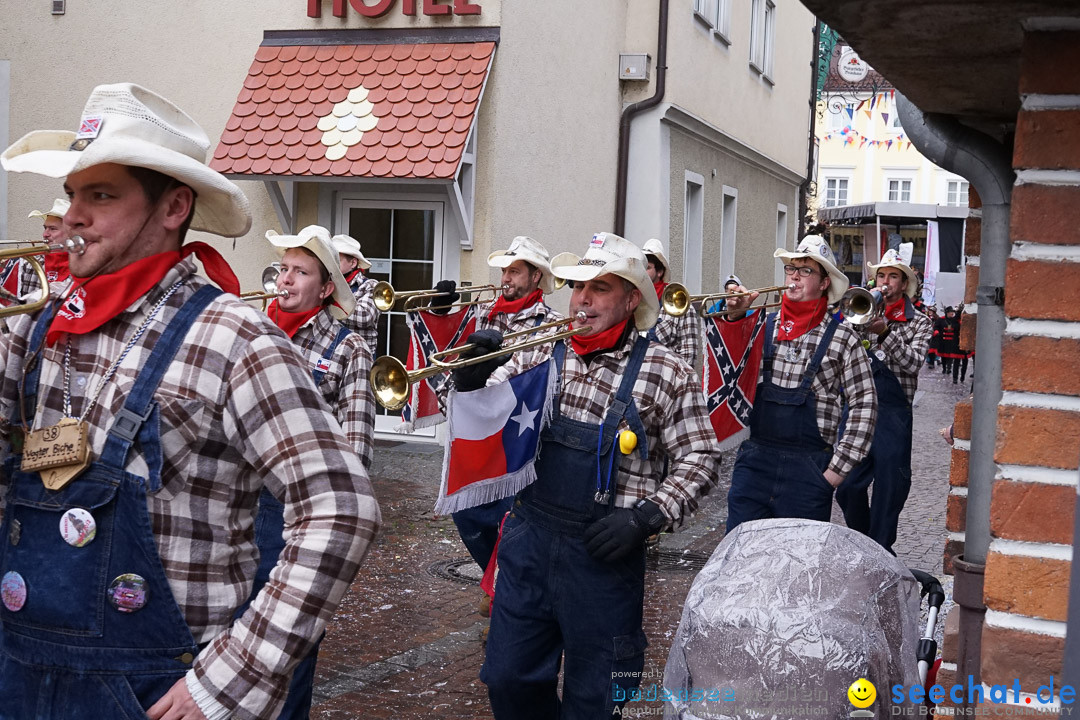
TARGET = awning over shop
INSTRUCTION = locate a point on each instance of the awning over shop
(890, 212)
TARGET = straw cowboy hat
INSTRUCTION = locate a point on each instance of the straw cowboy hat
(345, 245)
(317, 240)
(58, 210)
(901, 260)
(130, 125)
(814, 247)
(532, 252)
(609, 253)
(654, 247)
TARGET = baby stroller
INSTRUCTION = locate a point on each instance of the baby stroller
(786, 615)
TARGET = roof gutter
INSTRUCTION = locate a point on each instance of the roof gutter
(630, 111)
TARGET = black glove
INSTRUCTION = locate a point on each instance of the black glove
(474, 377)
(448, 296)
(623, 531)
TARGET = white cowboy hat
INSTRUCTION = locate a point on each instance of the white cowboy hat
(653, 246)
(317, 240)
(58, 210)
(609, 253)
(901, 260)
(532, 252)
(817, 249)
(345, 245)
(130, 125)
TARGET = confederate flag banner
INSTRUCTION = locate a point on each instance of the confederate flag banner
(430, 333)
(9, 283)
(732, 360)
(494, 438)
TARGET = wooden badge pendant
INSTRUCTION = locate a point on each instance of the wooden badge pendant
(59, 452)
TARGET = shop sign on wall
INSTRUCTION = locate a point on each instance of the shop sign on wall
(378, 8)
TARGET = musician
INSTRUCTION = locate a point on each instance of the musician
(191, 402)
(730, 284)
(364, 319)
(895, 344)
(572, 554)
(680, 333)
(795, 457)
(55, 264)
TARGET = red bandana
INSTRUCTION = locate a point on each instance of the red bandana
(351, 276)
(290, 322)
(56, 267)
(797, 318)
(660, 289)
(585, 344)
(896, 311)
(513, 307)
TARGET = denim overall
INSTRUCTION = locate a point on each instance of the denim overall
(269, 537)
(779, 471)
(551, 595)
(68, 652)
(888, 466)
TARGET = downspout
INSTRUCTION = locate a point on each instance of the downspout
(987, 165)
(804, 187)
(630, 111)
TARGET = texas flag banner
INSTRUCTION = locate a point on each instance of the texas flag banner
(430, 333)
(732, 360)
(494, 438)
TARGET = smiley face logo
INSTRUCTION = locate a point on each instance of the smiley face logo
(862, 693)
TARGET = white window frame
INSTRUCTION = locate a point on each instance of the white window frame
(762, 36)
(5, 107)
(835, 122)
(893, 127)
(722, 20)
(693, 230)
(900, 191)
(962, 190)
(703, 11)
(729, 214)
(847, 190)
(781, 240)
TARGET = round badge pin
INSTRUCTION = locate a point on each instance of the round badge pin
(880, 355)
(77, 527)
(13, 591)
(129, 592)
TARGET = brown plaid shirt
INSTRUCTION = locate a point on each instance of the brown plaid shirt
(905, 348)
(672, 409)
(682, 334)
(365, 318)
(345, 386)
(238, 411)
(528, 318)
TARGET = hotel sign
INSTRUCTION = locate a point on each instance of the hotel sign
(378, 8)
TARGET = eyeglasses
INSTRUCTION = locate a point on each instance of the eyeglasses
(804, 271)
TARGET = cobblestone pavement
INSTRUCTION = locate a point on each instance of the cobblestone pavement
(407, 641)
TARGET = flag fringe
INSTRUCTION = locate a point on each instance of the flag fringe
(487, 491)
(733, 441)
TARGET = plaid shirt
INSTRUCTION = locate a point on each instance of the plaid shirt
(29, 285)
(365, 318)
(681, 334)
(345, 386)
(845, 373)
(904, 347)
(527, 318)
(238, 411)
(672, 409)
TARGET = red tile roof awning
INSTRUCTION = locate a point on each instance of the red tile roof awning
(378, 111)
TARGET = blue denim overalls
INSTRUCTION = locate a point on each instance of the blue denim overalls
(269, 537)
(71, 651)
(552, 596)
(888, 466)
(779, 471)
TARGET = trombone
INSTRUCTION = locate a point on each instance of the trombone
(74, 244)
(861, 306)
(392, 383)
(269, 291)
(412, 304)
(677, 299)
(386, 297)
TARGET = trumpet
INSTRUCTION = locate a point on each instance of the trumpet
(861, 306)
(677, 299)
(413, 304)
(269, 291)
(392, 383)
(386, 297)
(74, 244)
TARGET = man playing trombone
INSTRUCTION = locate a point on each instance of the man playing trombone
(56, 264)
(572, 554)
(680, 333)
(364, 319)
(794, 458)
(896, 337)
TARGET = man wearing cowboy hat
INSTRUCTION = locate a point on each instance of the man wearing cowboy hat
(572, 554)
(811, 364)
(154, 409)
(55, 264)
(364, 319)
(896, 345)
(680, 333)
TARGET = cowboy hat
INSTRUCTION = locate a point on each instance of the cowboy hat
(532, 252)
(901, 260)
(130, 125)
(655, 248)
(609, 253)
(317, 240)
(58, 210)
(815, 248)
(345, 245)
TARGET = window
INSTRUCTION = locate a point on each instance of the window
(762, 29)
(727, 231)
(900, 191)
(837, 121)
(781, 240)
(957, 193)
(836, 192)
(716, 14)
(894, 127)
(693, 231)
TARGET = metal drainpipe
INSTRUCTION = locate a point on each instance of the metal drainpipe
(637, 108)
(987, 165)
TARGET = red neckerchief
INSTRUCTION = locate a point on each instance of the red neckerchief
(513, 307)
(660, 289)
(585, 344)
(896, 311)
(290, 322)
(352, 276)
(797, 317)
(56, 267)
